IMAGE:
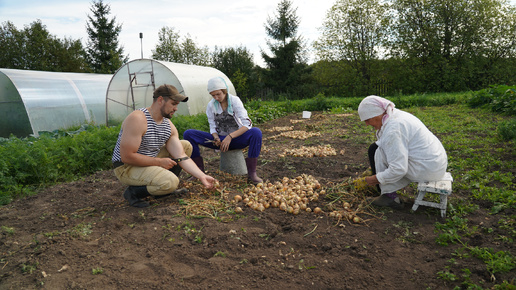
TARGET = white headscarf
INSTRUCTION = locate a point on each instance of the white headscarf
(373, 106)
(218, 83)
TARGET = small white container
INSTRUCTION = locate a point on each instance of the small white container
(307, 114)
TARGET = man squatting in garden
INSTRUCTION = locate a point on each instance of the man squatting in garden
(405, 150)
(149, 156)
(230, 128)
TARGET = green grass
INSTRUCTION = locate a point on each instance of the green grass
(478, 158)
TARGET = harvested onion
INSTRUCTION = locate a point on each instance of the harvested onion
(289, 195)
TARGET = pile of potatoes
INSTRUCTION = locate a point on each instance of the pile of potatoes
(302, 135)
(289, 195)
(275, 129)
(304, 151)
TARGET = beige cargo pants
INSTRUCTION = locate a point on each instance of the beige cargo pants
(159, 181)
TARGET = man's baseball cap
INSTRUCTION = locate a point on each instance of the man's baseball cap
(169, 91)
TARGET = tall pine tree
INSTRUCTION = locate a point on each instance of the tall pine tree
(285, 66)
(103, 52)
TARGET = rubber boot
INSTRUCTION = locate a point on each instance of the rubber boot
(388, 200)
(200, 163)
(134, 195)
(251, 170)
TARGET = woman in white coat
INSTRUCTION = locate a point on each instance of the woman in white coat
(405, 150)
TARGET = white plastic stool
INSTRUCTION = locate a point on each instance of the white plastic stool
(233, 162)
(442, 187)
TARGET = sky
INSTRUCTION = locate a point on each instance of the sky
(221, 23)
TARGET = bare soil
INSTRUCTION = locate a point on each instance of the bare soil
(83, 234)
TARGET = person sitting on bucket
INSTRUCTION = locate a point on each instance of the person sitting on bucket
(405, 150)
(230, 128)
(148, 154)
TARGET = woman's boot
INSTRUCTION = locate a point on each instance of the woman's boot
(200, 163)
(251, 170)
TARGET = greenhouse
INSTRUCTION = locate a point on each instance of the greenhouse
(132, 85)
(36, 101)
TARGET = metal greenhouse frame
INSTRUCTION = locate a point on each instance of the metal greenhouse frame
(133, 84)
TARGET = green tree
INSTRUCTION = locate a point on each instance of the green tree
(449, 45)
(285, 67)
(71, 56)
(12, 43)
(354, 32)
(171, 47)
(104, 55)
(34, 48)
(237, 64)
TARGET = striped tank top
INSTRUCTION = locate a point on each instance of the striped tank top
(152, 141)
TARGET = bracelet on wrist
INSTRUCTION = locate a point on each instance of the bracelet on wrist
(177, 160)
(229, 135)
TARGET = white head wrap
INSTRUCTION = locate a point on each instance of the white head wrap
(373, 106)
(216, 83)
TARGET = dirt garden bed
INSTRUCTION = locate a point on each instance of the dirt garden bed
(83, 235)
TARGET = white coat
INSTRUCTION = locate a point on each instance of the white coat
(407, 152)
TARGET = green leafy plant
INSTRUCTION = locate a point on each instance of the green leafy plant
(220, 254)
(8, 230)
(450, 232)
(447, 276)
(81, 230)
(190, 231)
(29, 268)
(500, 98)
(97, 271)
(499, 262)
(507, 130)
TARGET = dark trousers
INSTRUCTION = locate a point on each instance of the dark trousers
(252, 138)
(370, 152)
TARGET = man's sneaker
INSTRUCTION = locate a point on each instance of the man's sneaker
(385, 201)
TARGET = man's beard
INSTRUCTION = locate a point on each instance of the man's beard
(165, 115)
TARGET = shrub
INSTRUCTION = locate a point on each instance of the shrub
(507, 130)
(501, 99)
